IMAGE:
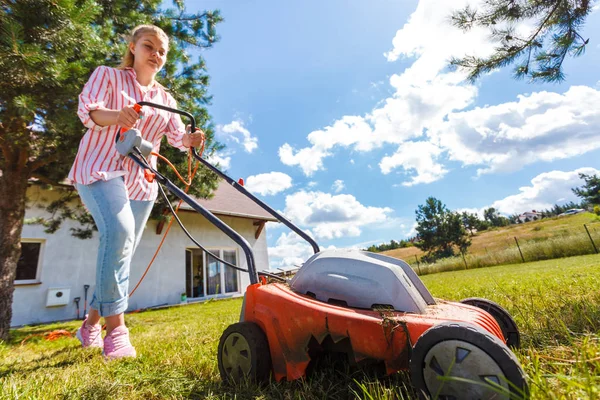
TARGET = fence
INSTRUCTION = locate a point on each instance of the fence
(519, 250)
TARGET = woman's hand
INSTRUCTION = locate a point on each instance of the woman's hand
(194, 139)
(127, 117)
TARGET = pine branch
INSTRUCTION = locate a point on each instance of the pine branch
(560, 16)
(192, 18)
(44, 179)
(40, 162)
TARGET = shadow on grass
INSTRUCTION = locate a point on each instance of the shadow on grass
(48, 361)
(329, 381)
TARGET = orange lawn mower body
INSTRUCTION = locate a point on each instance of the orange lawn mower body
(373, 309)
(366, 306)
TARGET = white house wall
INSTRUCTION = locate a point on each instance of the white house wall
(68, 262)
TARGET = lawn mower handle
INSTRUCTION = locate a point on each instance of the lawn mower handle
(259, 202)
(233, 183)
(139, 159)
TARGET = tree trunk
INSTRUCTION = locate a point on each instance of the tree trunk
(13, 188)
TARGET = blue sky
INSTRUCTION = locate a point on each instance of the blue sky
(344, 116)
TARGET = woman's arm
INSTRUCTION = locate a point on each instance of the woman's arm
(126, 117)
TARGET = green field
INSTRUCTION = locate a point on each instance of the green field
(556, 303)
(538, 240)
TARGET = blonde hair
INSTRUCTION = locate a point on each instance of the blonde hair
(136, 33)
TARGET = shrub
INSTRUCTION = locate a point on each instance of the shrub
(597, 210)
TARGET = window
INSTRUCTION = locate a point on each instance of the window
(28, 264)
(206, 276)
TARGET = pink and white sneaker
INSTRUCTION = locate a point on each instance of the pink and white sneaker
(117, 344)
(90, 335)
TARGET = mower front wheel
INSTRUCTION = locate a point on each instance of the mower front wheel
(243, 354)
(507, 323)
(463, 361)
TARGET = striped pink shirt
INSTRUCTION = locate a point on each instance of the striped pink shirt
(97, 157)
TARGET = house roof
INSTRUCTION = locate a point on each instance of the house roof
(531, 213)
(225, 201)
(229, 201)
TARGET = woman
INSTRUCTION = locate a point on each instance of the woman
(113, 187)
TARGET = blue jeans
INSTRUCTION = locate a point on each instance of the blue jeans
(120, 222)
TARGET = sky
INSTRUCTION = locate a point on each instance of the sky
(344, 116)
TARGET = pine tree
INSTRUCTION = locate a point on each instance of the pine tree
(440, 230)
(537, 55)
(470, 221)
(49, 49)
(590, 191)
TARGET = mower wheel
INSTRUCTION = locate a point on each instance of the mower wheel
(463, 361)
(243, 354)
(506, 322)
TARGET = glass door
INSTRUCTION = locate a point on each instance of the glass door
(214, 275)
(194, 273)
(205, 276)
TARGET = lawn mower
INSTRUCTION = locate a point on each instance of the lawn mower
(368, 307)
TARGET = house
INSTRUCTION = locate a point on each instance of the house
(54, 268)
(530, 216)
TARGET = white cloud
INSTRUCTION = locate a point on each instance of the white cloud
(332, 216)
(268, 184)
(338, 186)
(401, 118)
(413, 231)
(417, 156)
(223, 161)
(425, 94)
(310, 160)
(290, 250)
(542, 126)
(425, 112)
(546, 189)
(236, 128)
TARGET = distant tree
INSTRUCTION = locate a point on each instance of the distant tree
(440, 230)
(471, 221)
(590, 191)
(389, 246)
(539, 54)
(493, 217)
(514, 218)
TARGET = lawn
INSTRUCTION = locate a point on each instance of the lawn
(556, 303)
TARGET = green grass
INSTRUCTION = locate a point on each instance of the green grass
(539, 240)
(556, 304)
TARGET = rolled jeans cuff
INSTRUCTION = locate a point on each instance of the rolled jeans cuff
(107, 309)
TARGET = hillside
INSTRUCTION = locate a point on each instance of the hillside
(499, 239)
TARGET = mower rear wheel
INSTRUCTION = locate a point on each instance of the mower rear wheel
(506, 322)
(462, 361)
(243, 354)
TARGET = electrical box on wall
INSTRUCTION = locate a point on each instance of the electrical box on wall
(58, 297)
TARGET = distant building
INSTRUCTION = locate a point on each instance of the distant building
(530, 216)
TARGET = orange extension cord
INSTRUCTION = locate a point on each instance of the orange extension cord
(187, 184)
